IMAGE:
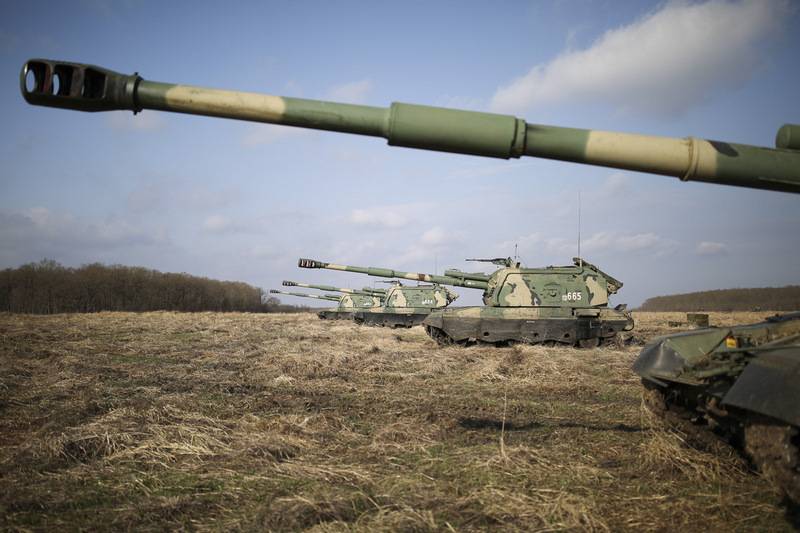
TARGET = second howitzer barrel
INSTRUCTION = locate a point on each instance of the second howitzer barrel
(329, 297)
(89, 88)
(368, 291)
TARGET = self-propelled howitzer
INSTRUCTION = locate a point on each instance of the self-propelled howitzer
(89, 88)
(403, 306)
(348, 303)
(564, 304)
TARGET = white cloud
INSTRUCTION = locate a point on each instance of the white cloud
(616, 184)
(354, 92)
(144, 121)
(460, 102)
(39, 232)
(664, 63)
(386, 216)
(217, 223)
(526, 242)
(711, 248)
(261, 251)
(434, 237)
(486, 170)
(166, 195)
(638, 241)
(628, 242)
(259, 134)
(433, 244)
(535, 245)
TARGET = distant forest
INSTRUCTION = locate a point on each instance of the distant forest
(765, 299)
(47, 287)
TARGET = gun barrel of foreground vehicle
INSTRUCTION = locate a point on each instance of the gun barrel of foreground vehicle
(84, 87)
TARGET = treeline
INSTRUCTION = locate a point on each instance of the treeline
(47, 287)
(766, 299)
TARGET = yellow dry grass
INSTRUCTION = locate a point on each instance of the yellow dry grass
(283, 422)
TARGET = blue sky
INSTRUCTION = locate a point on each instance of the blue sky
(242, 201)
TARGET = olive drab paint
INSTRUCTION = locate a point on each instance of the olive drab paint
(89, 88)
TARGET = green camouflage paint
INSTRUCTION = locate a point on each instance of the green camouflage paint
(89, 88)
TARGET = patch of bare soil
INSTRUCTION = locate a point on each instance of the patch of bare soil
(284, 422)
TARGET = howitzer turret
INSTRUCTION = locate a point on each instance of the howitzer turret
(364, 291)
(90, 88)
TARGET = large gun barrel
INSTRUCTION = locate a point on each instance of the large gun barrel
(458, 274)
(90, 88)
(399, 274)
(366, 291)
(331, 297)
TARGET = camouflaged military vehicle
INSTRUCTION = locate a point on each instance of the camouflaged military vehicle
(353, 299)
(742, 383)
(403, 306)
(348, 303)
(567, 304)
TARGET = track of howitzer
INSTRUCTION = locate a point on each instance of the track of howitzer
(286, 422)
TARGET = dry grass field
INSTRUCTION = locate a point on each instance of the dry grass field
(160, 421)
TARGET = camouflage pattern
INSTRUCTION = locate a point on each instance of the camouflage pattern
(581, 285)
(90, 88)
(360, 301)
(406, 306)
(348, 303)
(741, 382)
(403, 306)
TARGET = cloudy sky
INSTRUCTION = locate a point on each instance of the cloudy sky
(240, 201)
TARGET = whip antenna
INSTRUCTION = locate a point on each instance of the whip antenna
(579, 230)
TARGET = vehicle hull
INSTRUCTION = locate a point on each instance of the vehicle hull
(739, 384)
(529, 325)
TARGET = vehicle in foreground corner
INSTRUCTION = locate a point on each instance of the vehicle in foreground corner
(741, 382)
